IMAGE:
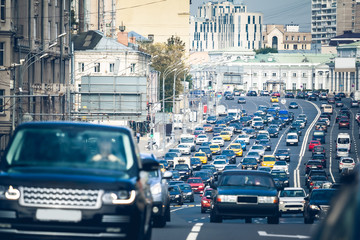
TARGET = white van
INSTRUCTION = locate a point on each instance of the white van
(328, 109)
(343, 141)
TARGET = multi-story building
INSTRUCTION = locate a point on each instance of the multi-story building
(286, 38)
(220, 25)
(112, 81)
(323, 20)
(34, 62)
(142, 16)
(347, 16)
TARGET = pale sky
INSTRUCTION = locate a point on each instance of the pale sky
(275, 11)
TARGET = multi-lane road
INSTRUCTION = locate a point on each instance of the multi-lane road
(188, 223)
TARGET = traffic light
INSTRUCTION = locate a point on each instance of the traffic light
(151, 133)
(210, 85)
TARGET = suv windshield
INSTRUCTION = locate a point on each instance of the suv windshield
(78, 148)
(257, 181)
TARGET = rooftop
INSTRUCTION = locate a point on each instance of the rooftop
(288, 58)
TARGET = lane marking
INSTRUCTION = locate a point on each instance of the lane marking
(194, 231)
(331, 148)
(282, 135)
(265, 234)
(303, 146)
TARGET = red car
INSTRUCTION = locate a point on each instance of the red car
(206, 200)
(275, 94)
(196, 184)
(344, 123)
(313, 143)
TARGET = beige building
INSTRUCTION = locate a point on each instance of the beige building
(156, 20)
(347, 16)
(286, 37)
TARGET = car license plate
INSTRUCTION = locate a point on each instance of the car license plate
(58, 215)
(249, 168)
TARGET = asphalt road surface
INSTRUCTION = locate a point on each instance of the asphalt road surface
(188, 223)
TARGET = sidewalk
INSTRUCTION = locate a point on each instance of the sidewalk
(158, 152)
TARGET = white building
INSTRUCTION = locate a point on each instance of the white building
(220, 25)
(99, 56)
(323, 20)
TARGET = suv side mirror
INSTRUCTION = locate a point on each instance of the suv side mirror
(167, 175)
(149, 165)
(306, 198)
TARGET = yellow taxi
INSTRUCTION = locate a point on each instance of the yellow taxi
(274, 99)
(225, 135)
(268, 161)
(215, 148)
(162, 168)
(202, 156)
(236, 147)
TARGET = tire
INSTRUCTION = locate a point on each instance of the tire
(203, 210)
(192, 199)
(215, 218)
(159, 222)
(273, 220)
(248, 220)
(168, 214)
(308, 220)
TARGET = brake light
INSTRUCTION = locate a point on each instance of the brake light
(311, 183)
(341, 163)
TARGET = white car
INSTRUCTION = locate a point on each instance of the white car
(257, 119)
(219, 165)
(327, 120)
(218, 140)
(292, 139)
(342, 152)
(229, 129)
(276, 106)
(346, 162)
(201, 138)
(291, 200)
(184, 149)
(281, 165)
(258, 148)
(245, 138)
(175, 150)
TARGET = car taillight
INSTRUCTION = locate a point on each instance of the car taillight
(341, 163)
(311, 184)
(319, 166)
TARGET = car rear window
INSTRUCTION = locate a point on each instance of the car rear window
(247, 181)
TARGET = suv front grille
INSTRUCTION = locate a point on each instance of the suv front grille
(247, 199)
(60, 198)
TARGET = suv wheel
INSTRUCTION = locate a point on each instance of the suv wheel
(159, 221)
(203, 210)
(273, 220)
(167, 213)
(248, 220)
(215, 218)
(308, 220)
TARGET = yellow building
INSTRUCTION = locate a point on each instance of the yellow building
(156, 20)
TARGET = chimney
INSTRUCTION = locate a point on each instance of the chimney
(122, 37)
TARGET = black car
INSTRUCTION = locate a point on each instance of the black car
(212, 169)
(337, 97)
(195, 163)
(187, 192)
(266, 143)
(273, 132)
(205, 176)
(65, 180)
(245, 195)
(230, 154)
(314, 172)
(283, 155)
(317, 204)
(342, 95)
(300, 95)
(321, 157)
(281, 178)
(252, 93)
(249, 163)
(176, 195)
(184, 170)
(206, 150)
(293, 105)
(289, 95)
(313, 164)
(312, 97)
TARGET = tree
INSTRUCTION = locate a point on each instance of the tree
(266, 50)
(167, 56)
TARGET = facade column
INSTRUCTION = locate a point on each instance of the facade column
(335, 81)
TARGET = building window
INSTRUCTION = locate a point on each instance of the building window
(298, 38)
(2, 53)
(81, 67)
(2, 93)
(274, 74)
(111, 67)
(304, 86)
(132, 66)
(304, 75)
(294, 74)
(294, 86)
(284, 74)
(292, 38)
(287, 38)
(248, 19)
(2, 10)
(265, 74)
(97, 67)
(295, 46)
(304, 38)
(264, 86)
(255, 74)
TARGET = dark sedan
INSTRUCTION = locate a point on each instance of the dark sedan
(245, 195)
(317, 204)
(283, 155)
(289, 95)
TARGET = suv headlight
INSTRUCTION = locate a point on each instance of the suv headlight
(266, 199)
(119, 197)
(314, 207)
(226, 198)
(156, 189)
(9, 193)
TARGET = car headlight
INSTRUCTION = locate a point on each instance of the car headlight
(156, 189)
(226, 198)
(189, 193)
(204, 201)
(119, 197)
(286, 181)
(282, 202)
(266, 199)
(9, 193)
(314, 207)
(177, 195)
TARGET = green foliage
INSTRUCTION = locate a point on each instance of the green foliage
(166, 57)
(266, 50)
